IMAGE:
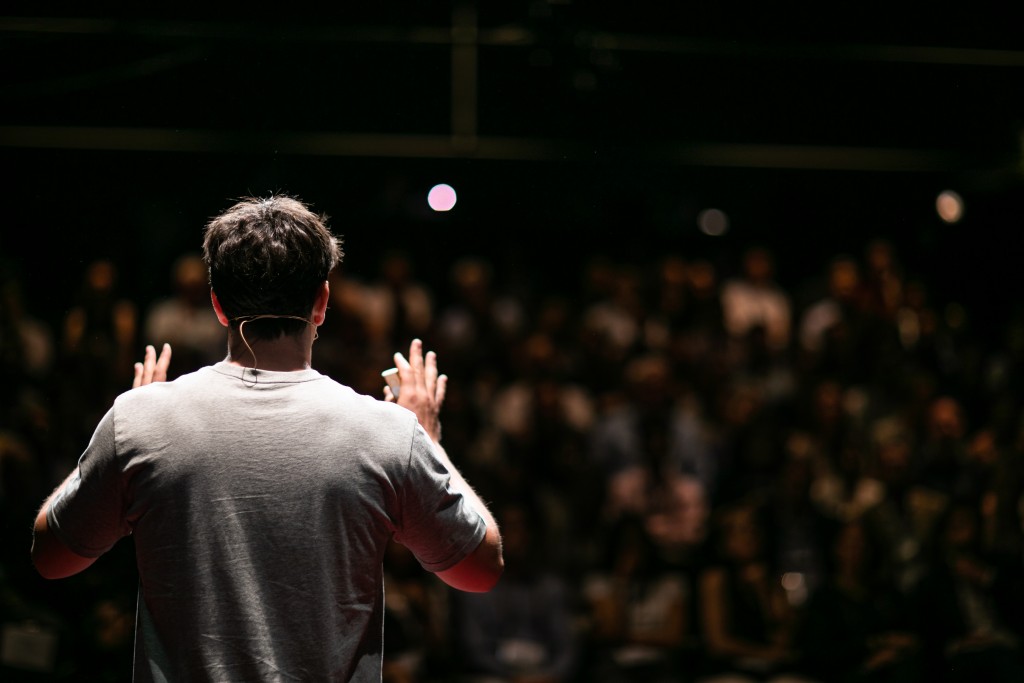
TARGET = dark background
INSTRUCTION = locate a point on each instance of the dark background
(567, 128)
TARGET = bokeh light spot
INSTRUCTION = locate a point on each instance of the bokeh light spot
(713, 222)
(950, 206)
(441, 197)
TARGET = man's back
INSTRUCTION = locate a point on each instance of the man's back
(260, 506)
(262, 500)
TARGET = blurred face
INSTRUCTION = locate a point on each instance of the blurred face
(702, 278)
(829, 401)
(961, 528)
(894, 460)
(100, 276)
(945, 419)
(758, 265)
(742, 539)
(741, 406)
(844, 279)
(396, 269)
(851, 547)
(674, 272)
(651, 380)
(191, 280)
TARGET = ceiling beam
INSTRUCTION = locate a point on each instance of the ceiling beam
(506, 35)
(760, 156)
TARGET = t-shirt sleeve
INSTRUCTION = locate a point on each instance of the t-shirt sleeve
(88, 514)
(437, 524)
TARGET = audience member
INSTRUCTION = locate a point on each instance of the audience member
(670, 301)
(396, 307)
(477, 321)
(96, 356)
(746, 624)
(747, 440)
(26, 342)
(638, 610)
(612, 327)
(537, 427)
(943, 465)
(857, 628)
(186, 320)
(905, 520)
(755, 300)
(415, 619)
(656, 456)
(835, 314)
(523, 630)
(795, 529)
(969, 605)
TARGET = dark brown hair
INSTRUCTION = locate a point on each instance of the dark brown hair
(269, 257)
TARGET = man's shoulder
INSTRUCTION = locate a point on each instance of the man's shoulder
(151, 397)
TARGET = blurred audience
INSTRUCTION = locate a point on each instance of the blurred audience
(98, 348)
(709, 469)
(396, 306)
(656, 456)
(638, 610)
(857, 627)
(186, 320)
(416, 612)
(523, 630)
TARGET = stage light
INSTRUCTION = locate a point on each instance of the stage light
(713, 222)
(441, 197)
(949, 206)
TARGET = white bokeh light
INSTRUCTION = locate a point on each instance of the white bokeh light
(441, 197)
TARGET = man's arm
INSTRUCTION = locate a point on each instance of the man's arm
(51, 557)
(481, 569)
(422, 391)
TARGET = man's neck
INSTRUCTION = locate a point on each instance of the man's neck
(289, 353)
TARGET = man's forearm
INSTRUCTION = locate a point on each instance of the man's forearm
(460, 485)
(51, 557)
(479, 571)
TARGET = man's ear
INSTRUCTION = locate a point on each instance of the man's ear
(218, 310)
(323, 297)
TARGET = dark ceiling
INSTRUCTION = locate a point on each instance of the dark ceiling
(555, 119)
(531, 80)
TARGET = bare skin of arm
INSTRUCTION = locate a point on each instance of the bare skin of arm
(53, 559)
(422, 392)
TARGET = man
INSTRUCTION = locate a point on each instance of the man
(261, 494)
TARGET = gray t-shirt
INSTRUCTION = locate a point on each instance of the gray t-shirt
(261, 506)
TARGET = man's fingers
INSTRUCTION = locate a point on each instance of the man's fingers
(416, 357)
(152, 369)
(411, 370)
(148, 362)
(442, 389)
(419, 375)
(162, 363)
(430, 372)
